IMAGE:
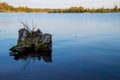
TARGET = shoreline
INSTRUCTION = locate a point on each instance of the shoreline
(73, 9)
(60, 12)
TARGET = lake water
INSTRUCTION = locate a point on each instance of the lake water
(86, 46)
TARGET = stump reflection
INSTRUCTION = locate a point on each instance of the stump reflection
(46, 56)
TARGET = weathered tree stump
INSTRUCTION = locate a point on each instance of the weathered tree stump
(35, 41)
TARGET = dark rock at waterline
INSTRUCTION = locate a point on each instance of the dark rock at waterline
(32, 41)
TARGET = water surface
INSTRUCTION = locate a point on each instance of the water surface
(86, 46)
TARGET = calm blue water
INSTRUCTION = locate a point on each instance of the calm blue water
(86, 46)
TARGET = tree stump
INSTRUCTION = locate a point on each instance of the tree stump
(35, 41)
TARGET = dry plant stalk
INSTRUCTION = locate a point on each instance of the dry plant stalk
(26, 26)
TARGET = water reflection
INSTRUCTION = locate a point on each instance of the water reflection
(46, 56)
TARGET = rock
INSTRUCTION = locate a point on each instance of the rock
(32, 41)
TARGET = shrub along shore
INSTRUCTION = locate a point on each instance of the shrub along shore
(4, 7)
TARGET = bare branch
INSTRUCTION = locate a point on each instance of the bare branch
(26, 26)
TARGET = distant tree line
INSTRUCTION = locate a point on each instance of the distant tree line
(4, 7)
(82, 9)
